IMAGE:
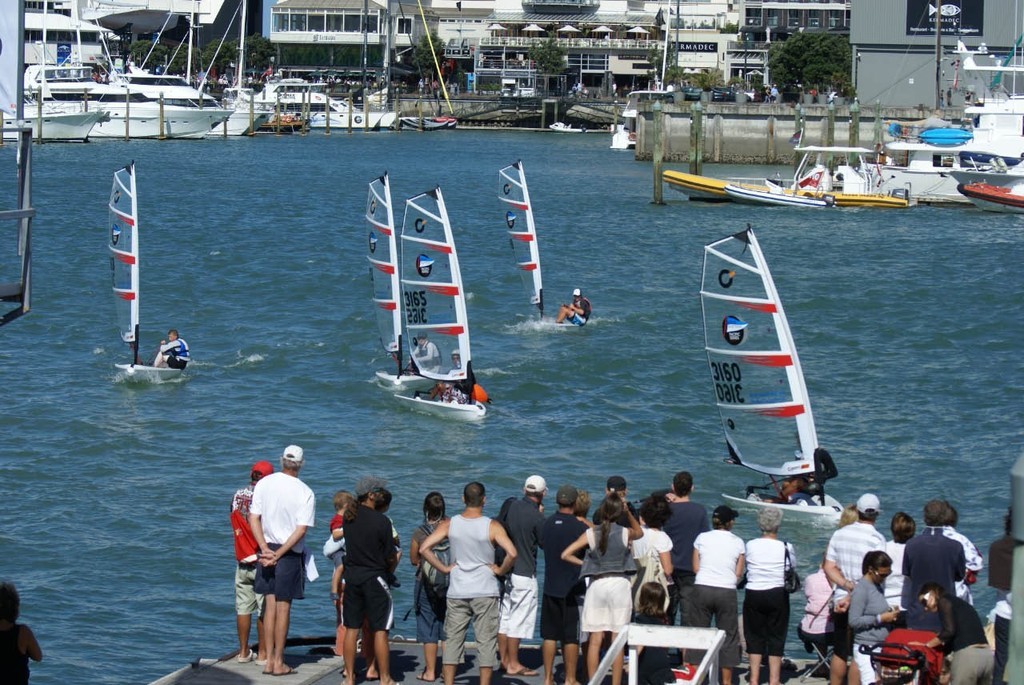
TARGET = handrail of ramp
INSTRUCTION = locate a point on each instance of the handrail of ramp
(708, 640)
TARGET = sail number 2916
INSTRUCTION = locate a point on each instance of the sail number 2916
(416, 306)
(726, 376)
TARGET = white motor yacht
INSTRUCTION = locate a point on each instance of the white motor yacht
(185, 112)
(58, 122)
(298, 97)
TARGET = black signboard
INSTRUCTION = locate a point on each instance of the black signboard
(959, 17)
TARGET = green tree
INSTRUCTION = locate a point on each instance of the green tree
(814, 60)
(707, 79)
(258, 51)
(549, 56)
(140, 49)
(423, 58)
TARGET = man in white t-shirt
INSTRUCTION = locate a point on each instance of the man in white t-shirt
(843, 562)
(283, 508)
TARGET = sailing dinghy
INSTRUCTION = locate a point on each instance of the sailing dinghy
(758, 382)
(435, 306)
(382, 243)
(522, 235)
(123, 219)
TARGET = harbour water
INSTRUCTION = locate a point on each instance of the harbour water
(114, 521)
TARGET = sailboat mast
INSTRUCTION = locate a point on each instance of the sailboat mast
(938, 54)
(240, 76)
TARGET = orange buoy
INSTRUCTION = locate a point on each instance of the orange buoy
(479, 394)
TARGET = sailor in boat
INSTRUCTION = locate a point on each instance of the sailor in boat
(173, 352)
(425, 356)
(576, 313)
(450, 393)
(793, 491)
(456, 360)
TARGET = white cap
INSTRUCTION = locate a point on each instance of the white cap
(293, 453)
(868, 504)
(535, 484)
(576, 292)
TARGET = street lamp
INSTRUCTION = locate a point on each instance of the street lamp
(678, 19)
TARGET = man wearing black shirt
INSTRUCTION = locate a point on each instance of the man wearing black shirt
(559, 611)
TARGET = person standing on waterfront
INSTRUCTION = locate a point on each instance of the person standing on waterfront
(844, 560)
(247, 601)
(688, 520)
(283, 508)
(608, 604)
(524, 523)
(902, 528)
(17, 641)
(472, 580)
(870, 615)
(960, 633)
(577, 312)
(173, 352)
(369, 558)
(765, 601)
(616, 487)
(563, 590)
(431, 589)
(719, 561)
(1000, 573)
(975, 562)
(930, 556)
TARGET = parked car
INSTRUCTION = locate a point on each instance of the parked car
(723, 94)
(691, 93)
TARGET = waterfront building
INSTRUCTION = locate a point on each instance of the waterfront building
(894, 49)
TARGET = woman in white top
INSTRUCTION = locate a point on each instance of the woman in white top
(903, 528)
(655, 547)
(766, 602)
(718, 563)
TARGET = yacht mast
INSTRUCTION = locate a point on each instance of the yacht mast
(240, 76)
(938, 54)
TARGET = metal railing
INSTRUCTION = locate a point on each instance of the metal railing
(526, 42)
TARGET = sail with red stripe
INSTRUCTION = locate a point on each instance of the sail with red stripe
(433, 297)
(522, 232)
(755, 371)
(382, 245)
(123, 240)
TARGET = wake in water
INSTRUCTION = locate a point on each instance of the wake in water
(534, 325)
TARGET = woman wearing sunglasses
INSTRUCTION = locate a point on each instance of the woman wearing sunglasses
(871, 617)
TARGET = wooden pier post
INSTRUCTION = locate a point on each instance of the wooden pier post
(656, 153)
(127, 113)
(830, 124)
(876, 139)
(348, 101)
(252, 113)
(162, 136)
(798, 123)
(854, 124)
(39, 111)
(696, 139)
(769, 156)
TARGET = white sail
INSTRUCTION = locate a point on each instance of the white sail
(522, 235)
(382, 243)
(123, 220)
(433, 297)
(759, 385)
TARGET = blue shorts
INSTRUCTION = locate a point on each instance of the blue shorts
(285, 580)
(577, 320)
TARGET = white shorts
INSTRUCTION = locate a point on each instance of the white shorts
(867, 671)
(519, 608)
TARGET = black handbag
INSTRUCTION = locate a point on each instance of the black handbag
(791, 581)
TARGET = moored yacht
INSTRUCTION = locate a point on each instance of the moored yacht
(299, 97)
(58, 122)
(185, 113)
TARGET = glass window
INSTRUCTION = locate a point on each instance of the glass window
(794, 18)
(280, 22)
(773, 18)
(404, 26)
(814, 19)
(353, 23)
(316, 22)
(754, 17)
(372, 22)
(836, 19)
(298, 22)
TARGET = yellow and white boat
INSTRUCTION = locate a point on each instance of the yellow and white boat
(854, 183)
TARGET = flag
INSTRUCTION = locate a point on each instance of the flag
(659, 18)
(458, 5)
(795, 140)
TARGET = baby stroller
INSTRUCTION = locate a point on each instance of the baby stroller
(897, 661)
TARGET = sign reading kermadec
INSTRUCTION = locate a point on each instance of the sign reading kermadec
(959, 17)
(695, 46)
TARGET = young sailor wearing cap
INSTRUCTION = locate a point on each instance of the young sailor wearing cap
(576, 313)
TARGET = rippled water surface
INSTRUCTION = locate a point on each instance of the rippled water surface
(115, 496)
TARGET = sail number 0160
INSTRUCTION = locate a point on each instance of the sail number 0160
(416, 306)
(726, 376)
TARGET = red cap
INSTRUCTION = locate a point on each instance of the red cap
(264, 468)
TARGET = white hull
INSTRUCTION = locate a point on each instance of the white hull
(623, 139)
(60, 126)
(148, 374)
(929, 187)
(829, 513)
(238, 123)
(144, 122)
(405, 381)
(458, 412)
(377, 120)
(777, 198)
